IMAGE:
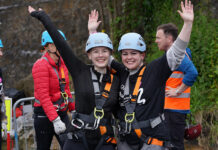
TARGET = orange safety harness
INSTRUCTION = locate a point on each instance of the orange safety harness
(130, 120)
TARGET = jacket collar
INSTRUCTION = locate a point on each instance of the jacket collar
(51, 61)
(106, 77)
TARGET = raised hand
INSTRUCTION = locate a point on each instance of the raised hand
(187, 12)
(93, 22)
(31, 9)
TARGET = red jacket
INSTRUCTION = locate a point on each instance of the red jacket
(46, 85)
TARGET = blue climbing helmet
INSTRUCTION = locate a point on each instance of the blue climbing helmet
(132, 41)
(98, 39)
(46, 38)
(1, 45)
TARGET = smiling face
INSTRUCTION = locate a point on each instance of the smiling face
(99, 56)
(132, 59)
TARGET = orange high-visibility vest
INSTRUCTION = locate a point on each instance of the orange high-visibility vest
(181, 102)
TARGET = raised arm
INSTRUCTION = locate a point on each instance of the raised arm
(176, 52)
(93, 25)
(72, 62)
(187, 14)
(93, 22)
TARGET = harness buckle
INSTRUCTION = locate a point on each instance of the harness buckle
(105, 94)
(126, 98)
(129, 117)
(64, 95)
(149, 140)
(78, 126)
(98, 113)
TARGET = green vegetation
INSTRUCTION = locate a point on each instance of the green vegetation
(144, 16)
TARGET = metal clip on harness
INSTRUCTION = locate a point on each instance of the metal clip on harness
(98, 114)
(78, 121)
(129, 118)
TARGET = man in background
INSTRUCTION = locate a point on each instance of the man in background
(177, 94)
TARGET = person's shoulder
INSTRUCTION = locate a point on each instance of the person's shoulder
(116, 76)
(158, 62)
(186, 61)
(40, 63)
(189, 53)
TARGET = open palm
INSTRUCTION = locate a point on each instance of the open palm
(31, 9)
(93, 22)
(187, 12)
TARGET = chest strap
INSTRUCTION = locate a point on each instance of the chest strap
(100, 97)
(62, 83)
(96, 117)
(130, 101)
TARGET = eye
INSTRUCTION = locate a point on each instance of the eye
(105, 50)
(124, 54)
(133, 53)
(95, 51)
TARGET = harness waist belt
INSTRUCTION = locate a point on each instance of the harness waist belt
(147, 123)
(56, 104)
(83, 121)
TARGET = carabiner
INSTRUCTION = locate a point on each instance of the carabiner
(77, 126)
(57, 107)
(128, 128)
(96, 123)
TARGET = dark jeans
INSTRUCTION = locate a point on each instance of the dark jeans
(176, 123)
(78, 145)
(45, 131)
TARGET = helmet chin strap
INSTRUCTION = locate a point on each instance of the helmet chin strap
(54, 53)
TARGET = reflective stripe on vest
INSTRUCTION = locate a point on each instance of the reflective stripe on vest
(181, 102)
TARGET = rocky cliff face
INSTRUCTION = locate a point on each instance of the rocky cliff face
(21, 33)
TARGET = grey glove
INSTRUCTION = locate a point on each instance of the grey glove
(59, 126)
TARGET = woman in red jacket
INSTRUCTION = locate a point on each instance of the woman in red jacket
(52, 95)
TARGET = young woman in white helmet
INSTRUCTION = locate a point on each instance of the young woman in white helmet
(52, 94)
(142, 90)
(96, 90)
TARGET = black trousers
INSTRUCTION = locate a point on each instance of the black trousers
(79, 145)
(176, 124)
(44, 130)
